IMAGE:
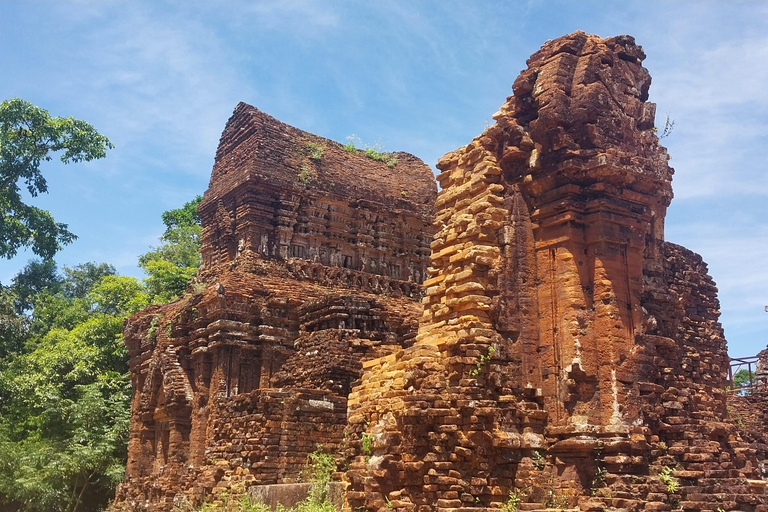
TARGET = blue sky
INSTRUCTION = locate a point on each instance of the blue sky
(161, 78)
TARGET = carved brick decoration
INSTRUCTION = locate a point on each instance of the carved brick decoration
(564, 354)
(313, 259)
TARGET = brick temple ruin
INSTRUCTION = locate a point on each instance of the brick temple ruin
(563, 351)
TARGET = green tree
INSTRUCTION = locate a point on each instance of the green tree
(743, 378)
(171, 265)
(65, 401)
(28, 136)
(64, 383)
(13, 326)
(35, 277)
(81, 278)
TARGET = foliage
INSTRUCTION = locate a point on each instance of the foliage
(306, 175)
(154, 325)
(350, 146)
(320, 465)
(64, 384)
(118, 295)
(64, 402)
(516, 496)
(81, 278)
(539, 462)
(13, 326)
(35, 277)
(554, 500)
(166, 281)
(180, 217)
(598, 480)
(666, 131)
(175, 262)
(484, 360)
(672, 483)
(742, 379)
(374, 154)
(315, 150)
(366, 443)
(28, 136)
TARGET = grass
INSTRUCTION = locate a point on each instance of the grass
(387, 158)
(373, 152)
(516, 496)
(315, 150)
(320, 465)
(306, 175)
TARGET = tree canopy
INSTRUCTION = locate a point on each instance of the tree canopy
(64, 382)
(171, 265)
(28, 137)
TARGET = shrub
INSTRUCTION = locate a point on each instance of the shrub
(672, 483)
(315, 150)
(306, 175)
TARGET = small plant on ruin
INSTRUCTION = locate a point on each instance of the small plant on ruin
(245, 504)
(663, 446)
(388, 503)
(554, 500)
(193, 314)
(667, 130)
(539, 462)
(306, 175)
(321, 465)
(402, 193)
(484, 360)
(598, 480)
(152, 331)
(366, 443)
(374, 154)
(350, 146)
(672, 483)
(315, 150)
(516, 496)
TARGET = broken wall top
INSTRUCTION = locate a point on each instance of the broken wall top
(580, 112)
(256, 146)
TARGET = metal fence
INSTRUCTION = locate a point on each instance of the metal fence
(743, 363)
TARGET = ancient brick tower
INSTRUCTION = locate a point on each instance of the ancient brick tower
(313, 259)
(567, 353)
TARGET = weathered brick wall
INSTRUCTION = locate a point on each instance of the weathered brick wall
(303, 281)
(269, 433)
(750, 413)
(284, 193)
(566, 352)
